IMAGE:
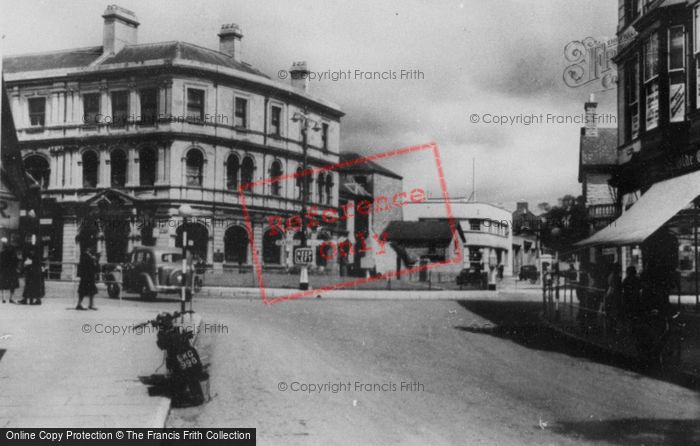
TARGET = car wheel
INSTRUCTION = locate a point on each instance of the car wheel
(146, 294)
(113, 290)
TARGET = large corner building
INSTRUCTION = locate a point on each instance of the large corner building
(122, 134)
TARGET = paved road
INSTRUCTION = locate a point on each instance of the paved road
(485, 374)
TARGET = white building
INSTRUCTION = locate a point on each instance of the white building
(487, 229)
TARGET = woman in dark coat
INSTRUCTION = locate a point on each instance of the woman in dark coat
(87, 269)
(33, 278)
(8, 270)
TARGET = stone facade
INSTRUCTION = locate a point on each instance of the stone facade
(133, 134)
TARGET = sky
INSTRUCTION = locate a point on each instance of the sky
(474, 57)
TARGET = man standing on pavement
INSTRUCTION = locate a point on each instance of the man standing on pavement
(33, 278)
(8, 270)
(87, 269)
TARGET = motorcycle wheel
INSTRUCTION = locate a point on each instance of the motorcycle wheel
(113, 290)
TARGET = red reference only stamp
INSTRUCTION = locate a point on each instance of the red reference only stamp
(332, 237)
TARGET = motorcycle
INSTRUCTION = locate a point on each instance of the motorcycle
(182, 360)
(659, 339)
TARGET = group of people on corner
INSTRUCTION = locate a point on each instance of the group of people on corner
(624, 301)
(12, 266)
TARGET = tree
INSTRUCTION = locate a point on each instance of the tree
(565, 224)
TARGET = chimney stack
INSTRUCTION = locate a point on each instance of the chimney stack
(591, 128)
(300, 76)
(120, 29)
(230, 37)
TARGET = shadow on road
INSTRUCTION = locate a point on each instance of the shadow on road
(633, 431)
(519, 322)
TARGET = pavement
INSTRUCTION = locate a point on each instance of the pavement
(60, 367)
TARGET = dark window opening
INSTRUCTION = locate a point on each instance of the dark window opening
(241, 113)
(147, 166)
(195, 104)
(91, 166)
(117, 165)
(149, 106)
(37, 111)
(194, 167)
(120, 108)
(91, 108)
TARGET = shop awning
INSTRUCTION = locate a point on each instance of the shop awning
(658, 205)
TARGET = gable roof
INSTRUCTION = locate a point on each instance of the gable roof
(367, 167)
(421, 232)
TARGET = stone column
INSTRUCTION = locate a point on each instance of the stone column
(132, 173)
(70, 249)
(160, 165)
(103, 175)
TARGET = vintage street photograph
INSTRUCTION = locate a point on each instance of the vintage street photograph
(419, 222)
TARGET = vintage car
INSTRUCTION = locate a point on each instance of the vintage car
(150, 271)
(473, 277)
(529, 272)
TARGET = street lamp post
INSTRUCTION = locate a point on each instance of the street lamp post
(184, 211)
(305, 122)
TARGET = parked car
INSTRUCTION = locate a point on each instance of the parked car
(473, 277)
(529, 272)
(150, 271)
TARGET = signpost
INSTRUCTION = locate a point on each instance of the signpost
(303, 256)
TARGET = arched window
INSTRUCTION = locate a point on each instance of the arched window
(247, 170)
(39, 169)
(272, 251)
(194, 167)
(91, 166)
(147, 166)
(320, 184)
(236, 245)
(232, 168)
(276, 171)
(117, 164)
(329, 189)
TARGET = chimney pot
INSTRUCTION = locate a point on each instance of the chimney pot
(299, 73)
(120, 29)
(230, 37)
(591, 127)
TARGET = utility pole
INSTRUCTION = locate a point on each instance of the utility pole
(305, 121)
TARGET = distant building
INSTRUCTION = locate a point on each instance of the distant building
(16, 192)
(366, 180)
(526, 243)
(421, 242)
(597, 164)
(487, 229)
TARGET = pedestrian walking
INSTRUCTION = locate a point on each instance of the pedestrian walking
(87, 270)
(613, 297)
(33, 278)
(9, 280)
(631, 294)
